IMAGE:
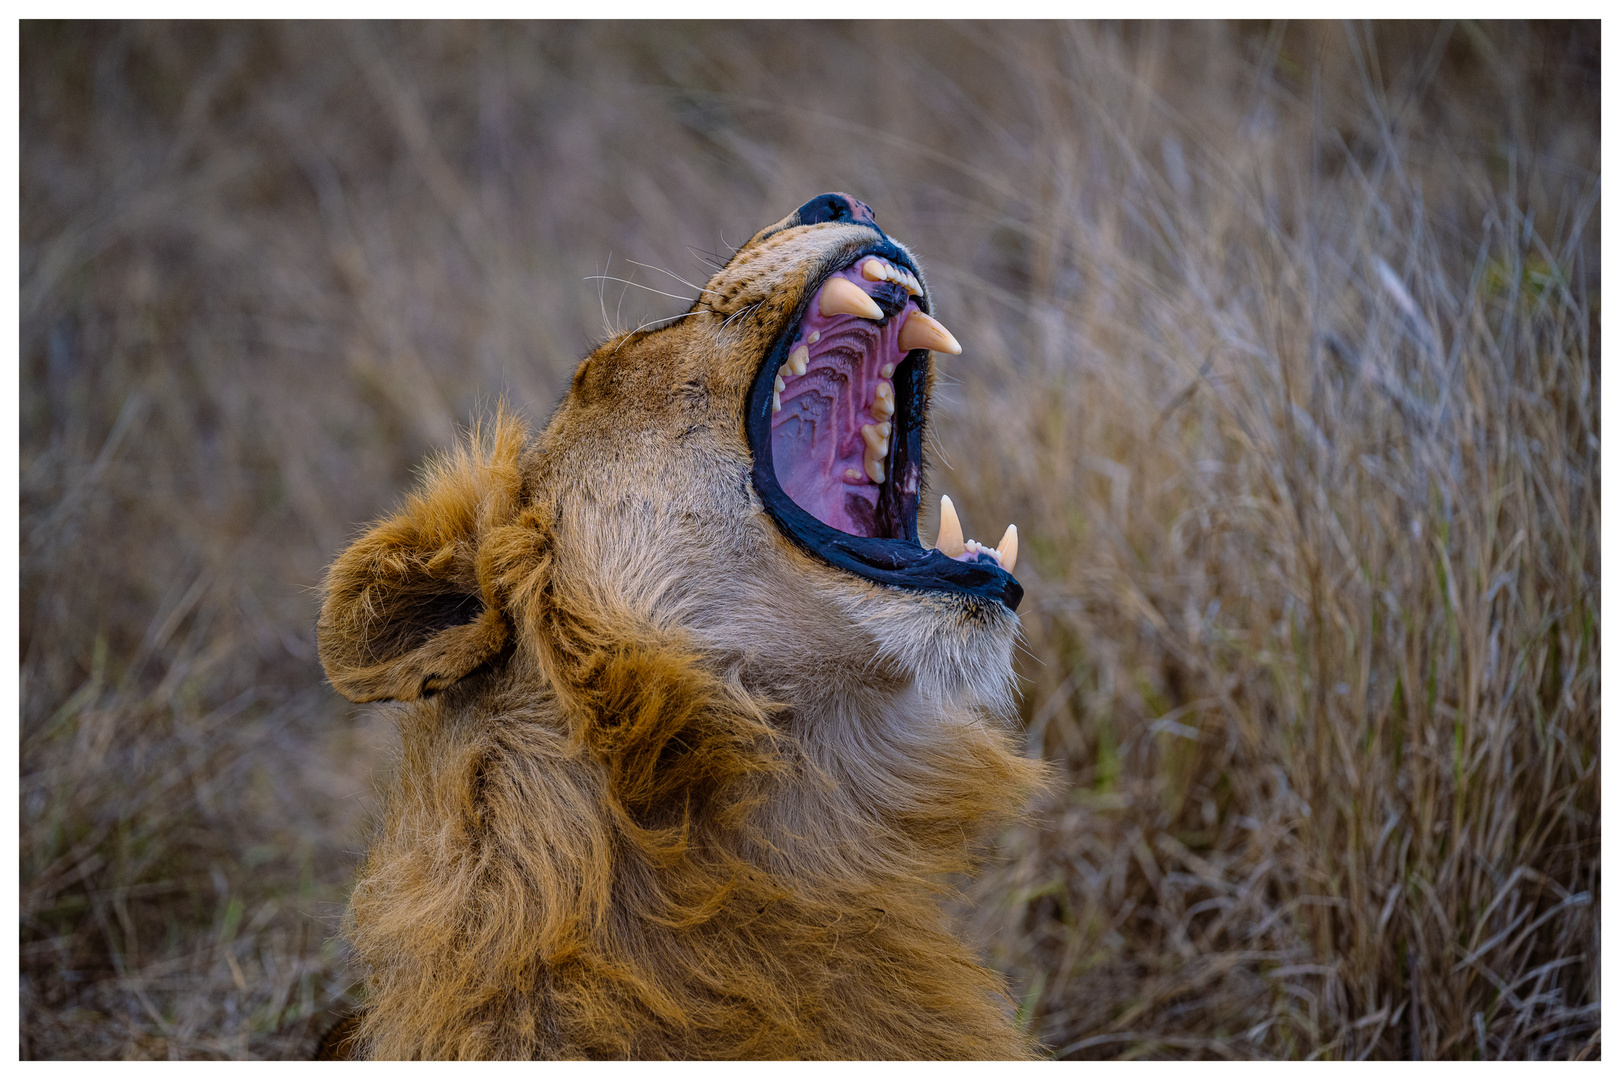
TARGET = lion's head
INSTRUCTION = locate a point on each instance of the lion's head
(748, 472)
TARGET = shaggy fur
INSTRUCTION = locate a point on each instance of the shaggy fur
(669, 787)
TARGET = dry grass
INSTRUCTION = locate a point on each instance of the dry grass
(1282, 352)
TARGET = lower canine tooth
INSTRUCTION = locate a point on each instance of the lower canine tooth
(1008, 548)
(841, 296)
(923, 332)
(950, 529)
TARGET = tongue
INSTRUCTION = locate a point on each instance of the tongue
(822, 459)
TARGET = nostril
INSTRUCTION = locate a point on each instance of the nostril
(835, 206)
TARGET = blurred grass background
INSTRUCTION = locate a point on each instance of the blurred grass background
(1281, 349)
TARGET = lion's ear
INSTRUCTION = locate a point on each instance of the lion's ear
(410, 607)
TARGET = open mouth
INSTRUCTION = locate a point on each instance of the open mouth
(835, 422)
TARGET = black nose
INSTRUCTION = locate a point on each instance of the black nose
(836, 206)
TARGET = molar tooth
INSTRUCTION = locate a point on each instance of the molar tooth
(883, 401)
(877, 440)
(950, 529)
(1008, 548)
(874, 270)
(776, 401)
(815, 336)
(841, 296)
(853, 476)
(885, 429)
(798, 360)
(780, 385)
(874, 468)
(887, 371)
(923, 332)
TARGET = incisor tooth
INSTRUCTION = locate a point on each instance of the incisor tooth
(841, 296)
(799, 360)
(1008, 548)
(910, 282)
(923, 332)
(874, 270)
(950, 529)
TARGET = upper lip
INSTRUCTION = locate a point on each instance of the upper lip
(898, 560)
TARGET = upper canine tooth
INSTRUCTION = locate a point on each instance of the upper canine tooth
(841, 296)
(874, 270)
(950, 529)
(799, 360)
(1008, 548)
(923, 332)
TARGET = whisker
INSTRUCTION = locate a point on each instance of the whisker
(707, 258)
(639, 285)
(939, 448)
(672, 274)
(649, 323)
(739, 313)
(669, 318)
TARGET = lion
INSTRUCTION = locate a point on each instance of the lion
(696, 734)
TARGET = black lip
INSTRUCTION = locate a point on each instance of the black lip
(903, 562)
